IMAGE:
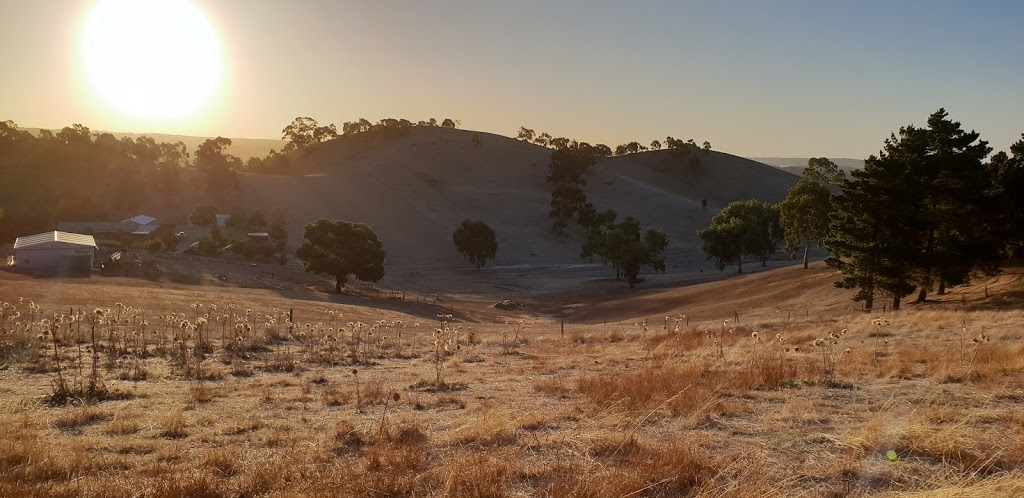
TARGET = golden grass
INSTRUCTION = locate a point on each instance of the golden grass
(800, 409)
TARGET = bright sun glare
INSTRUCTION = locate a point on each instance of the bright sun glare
(153, 58)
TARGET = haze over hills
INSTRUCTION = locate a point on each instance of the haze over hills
(796, 165)
(244, 148)
(414, 188)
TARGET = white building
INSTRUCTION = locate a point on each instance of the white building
(144, 225)
(55, 252)
(259, 237)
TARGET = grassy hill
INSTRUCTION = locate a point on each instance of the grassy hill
(415, 187)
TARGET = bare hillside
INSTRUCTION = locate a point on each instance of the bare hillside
(415, 187)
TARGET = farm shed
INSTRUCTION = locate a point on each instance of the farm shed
(259, 237)
(144, 225)
(97, 227)
(60, 252)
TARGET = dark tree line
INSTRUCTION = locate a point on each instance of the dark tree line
(923, 214)
(76, 174)
(305, 131)
(684, 148)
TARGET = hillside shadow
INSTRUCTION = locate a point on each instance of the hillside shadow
(183, 278)
(420, 309)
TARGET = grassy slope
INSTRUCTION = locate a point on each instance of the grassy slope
(414, 189)
(605, 410)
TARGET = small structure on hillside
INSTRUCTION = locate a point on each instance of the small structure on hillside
(55, 252)
(262, 237)
(222, 220)
(144, 225)
(97, 227)
(137, 225)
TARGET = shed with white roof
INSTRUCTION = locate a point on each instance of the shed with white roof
(55, 252)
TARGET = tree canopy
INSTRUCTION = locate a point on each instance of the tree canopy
(565, 175)
(277, 226)
(743, 228)
(476, 242)
(822, 171)
(203, 217)
(339, 248)
(804, 215)
(218, 170)
(626, 246)
(1008, 174)
(304, 131)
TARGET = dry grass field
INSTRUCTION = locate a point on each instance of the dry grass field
(118, 388)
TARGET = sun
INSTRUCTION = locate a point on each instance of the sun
(151, 58)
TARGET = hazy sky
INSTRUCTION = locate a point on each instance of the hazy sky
(756, 77)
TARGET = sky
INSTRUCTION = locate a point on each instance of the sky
(791, 78)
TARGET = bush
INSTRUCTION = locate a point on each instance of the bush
(207, 247)
(253, 250)
(154, 246)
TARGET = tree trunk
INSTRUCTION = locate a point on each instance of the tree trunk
(942, 287)
(806, 248)
(922, 294)
(337, 285)
(895, 303)
(740, 263)
(869, 302)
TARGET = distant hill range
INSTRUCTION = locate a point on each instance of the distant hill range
(796, 165)
(241, 147)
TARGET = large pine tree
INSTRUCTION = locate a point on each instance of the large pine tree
(921, 212)
(1008, 174)
(957, 208)
(869, 241)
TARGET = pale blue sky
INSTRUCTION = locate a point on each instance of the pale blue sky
(756, 78)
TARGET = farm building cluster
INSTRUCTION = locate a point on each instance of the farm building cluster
(140, 226)
(71, 249)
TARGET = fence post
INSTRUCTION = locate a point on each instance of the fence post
(291, 320)
(563, 327)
